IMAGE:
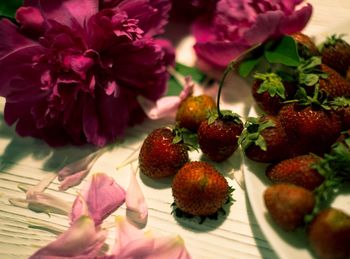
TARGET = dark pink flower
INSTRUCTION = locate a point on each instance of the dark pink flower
(72, 71)
(237, 25)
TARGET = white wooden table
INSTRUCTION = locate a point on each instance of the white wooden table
(26, 161)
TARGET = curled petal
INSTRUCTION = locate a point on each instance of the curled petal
(73, 173)
(43, 202)
(102, 197)
(136, 207)
(296, 21)
(31, 20)
(133, 243)
(81, 240)
(165, 106)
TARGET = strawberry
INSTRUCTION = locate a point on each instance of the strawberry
(265, 140)
(341, 105)
(336, 54)
(193, 110)
(287, 204)
(199, 189)
(334, 84)
(314, 128)
(329, 234)
(306, 46)
(269, 91)
(218, 136)
(297, 170)
(159, 156)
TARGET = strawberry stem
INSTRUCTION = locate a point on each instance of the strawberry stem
(230, 67)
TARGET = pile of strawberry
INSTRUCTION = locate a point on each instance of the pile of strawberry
(304, 134)
(197, 187)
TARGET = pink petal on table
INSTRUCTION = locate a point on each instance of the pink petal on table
(165, 106)
(81, 240)
(102, 196)
(73, 173)
(136, 207)
(133, 243)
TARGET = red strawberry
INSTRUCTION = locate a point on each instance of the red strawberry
(341, 105)
(336, 54)
(218, 136)
(270, 92)
(329, 234)
(193, 110)
(265, 140)
(334, 85)
(306, 46)
(287, 204)
(297, 170)
(159, 156)
(199, 189)
(315, 129)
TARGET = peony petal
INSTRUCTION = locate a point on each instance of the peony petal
(152, 14)
(102, 196)
(265, 26)
(65, 11)
(78, 168)
(165, 106)
(296, 21)
(81, 240)
(31, 20)
(219, 54)
(136, 207)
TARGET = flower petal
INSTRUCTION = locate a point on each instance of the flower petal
(165, 106)
(31, 20)
(73, 173)
(136, 207)
(296, 21)
(81, 240)
(102, 197)
(65, 11)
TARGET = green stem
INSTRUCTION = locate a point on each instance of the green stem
(230, 67)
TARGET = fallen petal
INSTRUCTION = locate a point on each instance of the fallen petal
(81, 240)
(102, 196)
(81, 168)
(136, 207)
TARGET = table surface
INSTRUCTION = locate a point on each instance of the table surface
(27, 161)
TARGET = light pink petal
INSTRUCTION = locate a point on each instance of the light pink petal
(136, 207)
(73, 180)
(165, 106)
(46, 202)
(102, 196)
(73, 173)
(133, 243)
(81, 240)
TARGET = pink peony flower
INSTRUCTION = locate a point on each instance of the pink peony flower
(72, 71)
(237, 25)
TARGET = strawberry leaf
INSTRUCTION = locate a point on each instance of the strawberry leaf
(285, 53)
(195, 73)
(339, 102)
(271, 83)
(247, 66)
(183, 135)
(8, 8)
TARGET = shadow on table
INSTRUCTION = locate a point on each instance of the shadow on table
(261, 241)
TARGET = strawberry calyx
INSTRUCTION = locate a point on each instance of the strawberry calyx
(332, 41)
(271, 83)
(215, 216)
(340, 102)
(226, 115)
(334, 167)
(251, 134)
(187, 137)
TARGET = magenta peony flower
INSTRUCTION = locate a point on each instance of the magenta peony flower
(73, 69)
(237, 25)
